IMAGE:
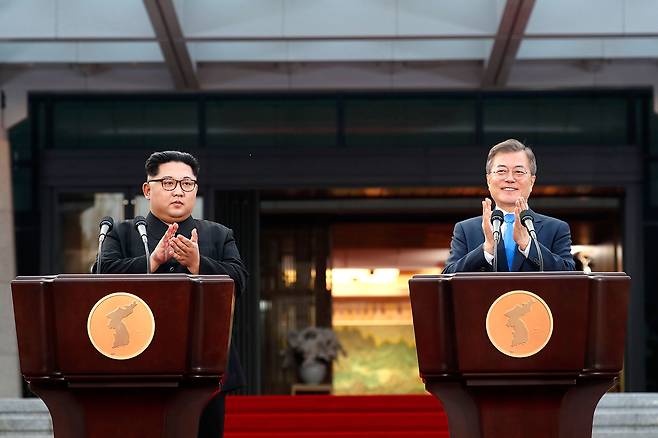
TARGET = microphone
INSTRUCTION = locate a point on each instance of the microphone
(105, 225)
(497, 219)
(528, 221)
(140, 226)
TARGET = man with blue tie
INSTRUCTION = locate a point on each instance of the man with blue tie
(511, 172)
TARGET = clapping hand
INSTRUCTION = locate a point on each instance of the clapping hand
(186, 251)
(163, 252)
(521, 235)
(486, 226)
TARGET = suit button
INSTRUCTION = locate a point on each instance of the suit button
(171, 269)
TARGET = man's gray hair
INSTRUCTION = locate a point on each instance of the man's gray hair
(511, 145)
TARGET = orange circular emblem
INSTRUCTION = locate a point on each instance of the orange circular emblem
(121, 325)
(519, 323)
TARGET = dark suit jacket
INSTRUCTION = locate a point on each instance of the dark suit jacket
(467, 255)
(123, 253)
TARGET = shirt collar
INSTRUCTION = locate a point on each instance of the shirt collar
(511, 212)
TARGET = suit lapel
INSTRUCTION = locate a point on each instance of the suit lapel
(539, 223)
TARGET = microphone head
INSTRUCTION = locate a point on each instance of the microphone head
(497, 215)
(525, 215)
(139, 221)
(107, 220)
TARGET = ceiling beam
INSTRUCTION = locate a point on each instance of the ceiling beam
(507, 42)
(172, 43)
(346, 37)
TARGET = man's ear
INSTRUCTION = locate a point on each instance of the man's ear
(146, 189)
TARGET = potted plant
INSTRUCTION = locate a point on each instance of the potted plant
(312, 349)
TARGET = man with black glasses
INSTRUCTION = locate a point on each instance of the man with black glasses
(179, 244)
(511, 172)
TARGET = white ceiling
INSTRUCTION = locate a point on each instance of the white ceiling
(120, 31)
(324, 45)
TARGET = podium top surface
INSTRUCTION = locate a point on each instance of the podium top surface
(551, 274)
(116, 277)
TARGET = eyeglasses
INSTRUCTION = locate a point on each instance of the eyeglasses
(518, 173)
(169, 184)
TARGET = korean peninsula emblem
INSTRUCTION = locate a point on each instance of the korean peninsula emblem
(519, 323)
(121, 325)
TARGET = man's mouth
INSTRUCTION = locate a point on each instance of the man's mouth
(509, 189)
(176, 203)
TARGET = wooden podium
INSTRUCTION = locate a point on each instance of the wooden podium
(158, 393)
(487, 393)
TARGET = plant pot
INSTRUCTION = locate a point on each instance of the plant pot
(313, 373)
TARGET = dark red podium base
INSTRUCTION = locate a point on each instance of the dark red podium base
(521, 409)
(125, 412)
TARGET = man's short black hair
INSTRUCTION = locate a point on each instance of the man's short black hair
(153, 162)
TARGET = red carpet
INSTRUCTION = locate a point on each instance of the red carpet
(326, 416)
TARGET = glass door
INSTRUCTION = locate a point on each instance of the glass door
(76, 227)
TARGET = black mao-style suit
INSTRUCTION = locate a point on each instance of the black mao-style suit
(123, 253)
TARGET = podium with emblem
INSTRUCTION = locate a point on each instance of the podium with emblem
(520, 354)
(123, 355)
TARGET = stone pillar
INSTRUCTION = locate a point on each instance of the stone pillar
(10, 383)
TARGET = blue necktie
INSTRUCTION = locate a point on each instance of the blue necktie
(508, 238)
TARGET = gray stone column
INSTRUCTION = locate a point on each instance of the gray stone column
(10, 385)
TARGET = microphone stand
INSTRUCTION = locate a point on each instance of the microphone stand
(497, 220)
(106, 225)
(528, 222)
(533, 236)
(495, 252)
(98, 254)
(148, 255)
(140, 226)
